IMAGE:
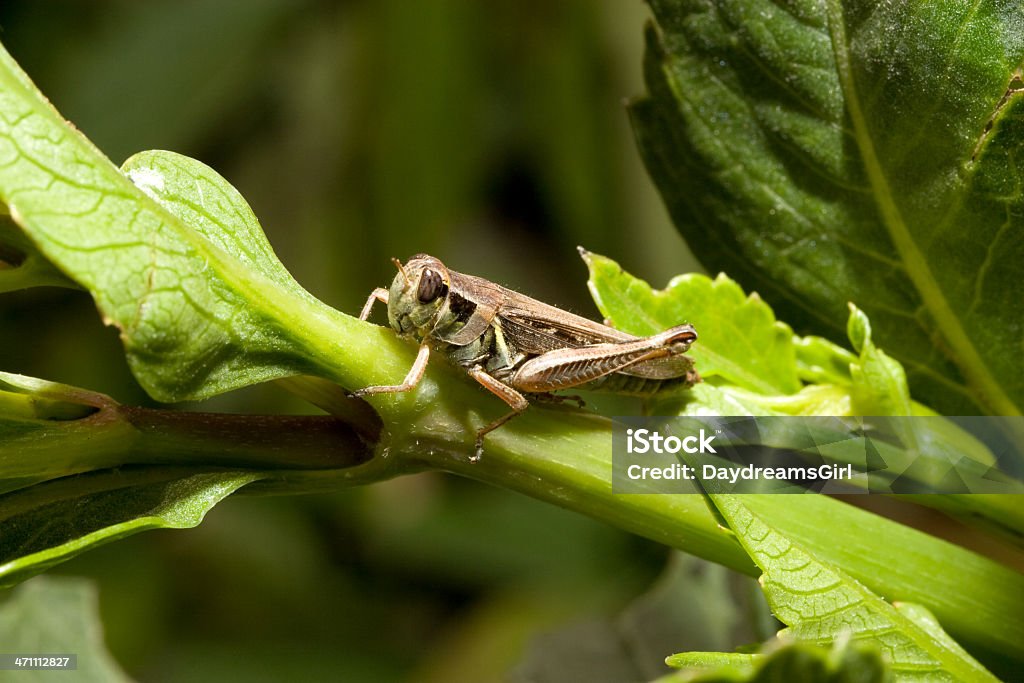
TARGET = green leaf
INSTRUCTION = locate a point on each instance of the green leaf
(202, 308)
(820, 602)
(49, 523)
(209, 205)
(58, 616)
(740, 339)
(727, 666)
(850, 151)
(819, 361)
(878, 383)
(754, 362)
(201, 305)
(813, 399)
(788, 661)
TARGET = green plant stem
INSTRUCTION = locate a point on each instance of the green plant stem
(555, 454)
(1001, 514)
(565, 458)
(116, 436)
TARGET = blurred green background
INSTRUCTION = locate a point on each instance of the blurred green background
(490, 134)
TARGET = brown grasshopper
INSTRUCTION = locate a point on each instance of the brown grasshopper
(512, 344)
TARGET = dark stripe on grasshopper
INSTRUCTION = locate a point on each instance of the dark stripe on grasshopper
(461, 307)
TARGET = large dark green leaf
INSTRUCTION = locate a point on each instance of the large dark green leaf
(825, 152)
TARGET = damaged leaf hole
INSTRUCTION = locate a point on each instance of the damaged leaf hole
(1015, 86)
(10, 257)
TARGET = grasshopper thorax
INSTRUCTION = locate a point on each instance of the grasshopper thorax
(417, 295)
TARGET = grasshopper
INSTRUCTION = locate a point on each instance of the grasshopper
(514, 345)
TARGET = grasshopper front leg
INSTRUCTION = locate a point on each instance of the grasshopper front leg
(412, 378)
(419, 366)
(379, 294)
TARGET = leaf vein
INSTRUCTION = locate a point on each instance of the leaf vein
(965, 354)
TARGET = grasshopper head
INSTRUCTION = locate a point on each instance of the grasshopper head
(417, 294)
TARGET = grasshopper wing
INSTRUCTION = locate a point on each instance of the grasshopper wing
(537, 328)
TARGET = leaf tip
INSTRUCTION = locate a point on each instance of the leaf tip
(858, 328)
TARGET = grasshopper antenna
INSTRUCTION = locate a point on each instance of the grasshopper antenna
(398, 264)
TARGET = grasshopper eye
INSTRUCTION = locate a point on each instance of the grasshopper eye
(431, 286)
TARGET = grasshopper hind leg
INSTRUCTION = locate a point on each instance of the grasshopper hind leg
(478, 450)
(516, 401)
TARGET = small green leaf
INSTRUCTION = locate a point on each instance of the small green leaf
(878, 383)
(785, 662)
(819, 361)
(754, 363)
(727, 666)
(58, 616)
(858, 329)
(813, 399)
(49, 523)
(207, 203)
(821, 603)
(823, 152)
(739, 340)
